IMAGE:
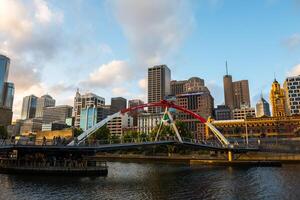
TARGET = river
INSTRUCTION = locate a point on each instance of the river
(160, 181)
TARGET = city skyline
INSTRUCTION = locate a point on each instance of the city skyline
(193, 43)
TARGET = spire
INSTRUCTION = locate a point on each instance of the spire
(226, 68)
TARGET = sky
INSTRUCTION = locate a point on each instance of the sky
(106, 46)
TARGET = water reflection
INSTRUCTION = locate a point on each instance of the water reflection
(160, 181)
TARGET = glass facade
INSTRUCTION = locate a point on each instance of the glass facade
(29, 107)
(9, 91)
(88, 118)
(4, 68)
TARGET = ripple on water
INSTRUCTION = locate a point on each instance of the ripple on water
(160, 181)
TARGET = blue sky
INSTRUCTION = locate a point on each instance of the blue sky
(105, 47)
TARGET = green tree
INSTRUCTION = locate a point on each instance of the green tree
(77, 131)
(183, 129)
(3, 132)
(102, 133)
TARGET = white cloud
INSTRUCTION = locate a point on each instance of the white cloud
(116, 72)
(121, 91)
(143, 84)
(155, 29)
(30, 35)
(295, 71)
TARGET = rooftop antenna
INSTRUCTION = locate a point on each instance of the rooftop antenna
(226, 68)
(275, 76)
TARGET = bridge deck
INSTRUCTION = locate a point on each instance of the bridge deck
(122, 146)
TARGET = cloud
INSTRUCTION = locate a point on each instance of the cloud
(292, 42)
(155, 29)
(295, 71)
(143, 84)
(31, 36)
(116, 72)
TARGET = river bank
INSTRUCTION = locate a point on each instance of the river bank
(259, 157)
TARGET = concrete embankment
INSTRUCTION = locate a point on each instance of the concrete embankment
(249, 159)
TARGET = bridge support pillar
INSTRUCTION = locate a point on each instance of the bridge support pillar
(230, 156)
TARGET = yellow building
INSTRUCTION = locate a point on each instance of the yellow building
(278, 100)
(66, 133)
(287, 126)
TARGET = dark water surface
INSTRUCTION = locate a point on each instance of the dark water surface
(160, 181)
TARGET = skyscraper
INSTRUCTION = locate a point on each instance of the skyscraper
(57, 113)
(43, 102)
(291, 88)
(134, 114)
(236, 93)
(278, 100)
(262, 108)
(159, 78)
(29, 107)
(9, 91)
(85, 101)
(4, 69)
(117, 104)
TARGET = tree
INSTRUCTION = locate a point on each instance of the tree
(183, 129)
(77, 131)
(3, 132)
(102, 133)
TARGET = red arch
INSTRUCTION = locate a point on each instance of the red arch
(165, 104)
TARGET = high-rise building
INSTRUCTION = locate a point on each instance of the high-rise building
(222, 112)
(29, 107)
(201, 103)
(43, 102)
(262, 108)
(89, 117)
(159, 78)
(191, 85)
(194, 84)
(243, 113)
(117, 104)
(4, 69)
(278, 100)
(291, 88)
(85, 101)
(236, 93)
(57, 114)
(9, 92)
(117, 125)
(177, 87)
(134, 114)
(5, 116)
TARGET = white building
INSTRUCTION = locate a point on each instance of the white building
(85, 101)
(118, 124)
(291, 88)
(148, 121)
(244, 112)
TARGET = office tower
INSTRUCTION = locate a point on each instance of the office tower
(159, 78)
(222, 112)
(85, 101)
(43, 102)
(194, 84)
(4, 69)
(291, 88)
(117, 104)
(92, 115)
(177, 87)
(134, 114)
(191, 85)
(57, 113)
(243, 113)
(236, 93)
(9, 92)
(29, 107)
(278, 100)
(5, 116)
(201, 103)
(262, 108)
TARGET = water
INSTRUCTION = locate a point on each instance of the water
(160, 181)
